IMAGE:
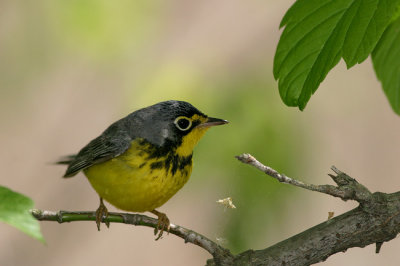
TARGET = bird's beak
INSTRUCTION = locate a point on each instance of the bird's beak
(211, 121)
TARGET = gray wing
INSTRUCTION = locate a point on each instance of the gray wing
(113, 142)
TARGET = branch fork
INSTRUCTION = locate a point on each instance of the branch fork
(375, 221)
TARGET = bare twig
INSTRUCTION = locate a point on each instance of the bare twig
(348, 188)
(219, 253)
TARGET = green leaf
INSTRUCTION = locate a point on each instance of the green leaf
(396, 14)
(15, 211)
(386, 60)
(318, 33)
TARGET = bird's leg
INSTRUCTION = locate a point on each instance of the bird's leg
(101, 213)
(162, 225)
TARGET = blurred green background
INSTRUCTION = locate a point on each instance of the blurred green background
(70, 68)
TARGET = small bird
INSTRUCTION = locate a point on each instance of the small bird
(139, 162)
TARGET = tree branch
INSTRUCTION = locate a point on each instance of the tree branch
(375, 220)
(348, 188)
(220, 255)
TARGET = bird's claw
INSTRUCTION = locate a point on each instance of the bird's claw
(163, 224)
(101, 215)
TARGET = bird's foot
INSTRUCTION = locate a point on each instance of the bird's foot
(101, 215)
(162, 225)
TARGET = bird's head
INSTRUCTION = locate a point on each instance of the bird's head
(175, 123)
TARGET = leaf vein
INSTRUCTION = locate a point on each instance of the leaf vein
(306, 35)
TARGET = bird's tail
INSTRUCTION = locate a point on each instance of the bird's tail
(66, 159)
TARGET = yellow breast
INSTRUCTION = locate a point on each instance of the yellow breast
(140, 180)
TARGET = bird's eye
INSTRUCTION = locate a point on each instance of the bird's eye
(183, 123)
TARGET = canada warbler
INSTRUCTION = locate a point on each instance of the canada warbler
(139, 162)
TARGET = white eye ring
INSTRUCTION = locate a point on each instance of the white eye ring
(180, 126)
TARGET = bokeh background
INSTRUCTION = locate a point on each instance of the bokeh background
(70, 68)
